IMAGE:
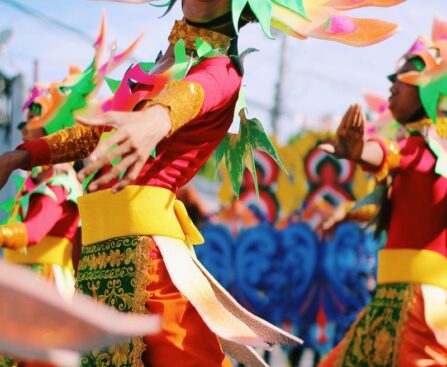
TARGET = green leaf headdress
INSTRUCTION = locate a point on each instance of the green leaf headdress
(60, 100)
(431, 73)
(323, 19)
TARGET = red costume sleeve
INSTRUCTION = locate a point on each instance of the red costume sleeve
(412, 152)
(219, 80)
(43, 213)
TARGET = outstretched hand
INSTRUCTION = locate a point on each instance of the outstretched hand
(338, 215)
(349, 139)
(136, 136)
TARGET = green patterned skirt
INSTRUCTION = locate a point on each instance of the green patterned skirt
(116, 272)
(377, 337)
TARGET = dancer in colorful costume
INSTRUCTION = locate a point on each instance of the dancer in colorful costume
(137, 237)
(406, 323)
(43, 218)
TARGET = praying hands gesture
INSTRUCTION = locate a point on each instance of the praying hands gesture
(136, 136)
(350, 142)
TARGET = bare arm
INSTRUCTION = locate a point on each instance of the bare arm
(344, 212)
(11, 161)
(64, 146)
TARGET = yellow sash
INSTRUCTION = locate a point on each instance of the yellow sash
(412, 266)
(51, 250)
(135, 210)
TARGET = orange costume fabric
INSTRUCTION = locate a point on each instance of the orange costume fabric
(184, 333)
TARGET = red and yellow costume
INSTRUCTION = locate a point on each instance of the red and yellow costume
(137, 255)
(137, 244)
(406, 323)
(44, 238)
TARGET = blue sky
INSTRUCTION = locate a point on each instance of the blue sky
(321, 77)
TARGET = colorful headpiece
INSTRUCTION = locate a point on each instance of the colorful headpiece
(380, 120)
(322, 19)
(431, 76)
(58, 101)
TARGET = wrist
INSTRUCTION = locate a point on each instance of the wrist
(17, 159)
(372, 154)
(161, 115)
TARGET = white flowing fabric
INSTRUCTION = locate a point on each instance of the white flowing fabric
(237, 328)
(37, 323)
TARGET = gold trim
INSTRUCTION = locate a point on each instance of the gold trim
(184, 99)
(13, 236)
(72, 144)
(141, 281)
(441, 127)
(189, 34)
(392, 160)
(420, 126)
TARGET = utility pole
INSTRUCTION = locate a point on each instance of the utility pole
(36, 71)
(276, 110)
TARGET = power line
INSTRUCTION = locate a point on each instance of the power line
(53, 21)
(48, 19)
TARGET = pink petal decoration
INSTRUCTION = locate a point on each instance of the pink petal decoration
(421, 44)
(119, 59)
(348, 30)
(102, 32)
(147, 86)
(340, 24)
(439, 30)
(35, 93)
(353, 4)
(367, 32)
(38, 324)
(375, 102)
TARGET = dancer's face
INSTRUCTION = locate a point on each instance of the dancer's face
(404, 101)
(200, 11)
(31, 134)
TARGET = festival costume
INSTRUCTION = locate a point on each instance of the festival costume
(406, 323)
(43, 232)
(42, 229)
(43, 220)
(137, 253)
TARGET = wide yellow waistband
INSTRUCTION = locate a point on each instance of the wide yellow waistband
(135, 210)
(51, 250)
(412, 266)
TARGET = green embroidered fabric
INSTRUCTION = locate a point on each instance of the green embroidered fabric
(374, 339)
(115, 272)
(7, 362)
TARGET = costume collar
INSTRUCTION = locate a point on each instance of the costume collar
(419, 127)
(189, 34)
